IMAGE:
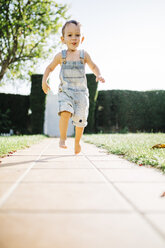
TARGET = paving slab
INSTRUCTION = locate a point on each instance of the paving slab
(19, 161)
(63, 196)
(136, 175)
(104, 157)
(66, 164)
(10, 174)
(4, 187)
(158, 219)
(34, 150)
(50, 197)
(63, 175)
(76, 231)
(145, 196)
(63, 158)
(113, 164)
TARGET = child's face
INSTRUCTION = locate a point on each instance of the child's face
(71, 36)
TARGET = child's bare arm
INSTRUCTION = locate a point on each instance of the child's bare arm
(50, 68)
(94, 68)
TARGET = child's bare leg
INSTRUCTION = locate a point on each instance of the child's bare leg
(63, 125)
(79, 133)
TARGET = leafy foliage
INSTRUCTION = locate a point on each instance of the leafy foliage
(124, 111)
(14, 113)
(37, 104)
(5, 122)
(25, 26)
(15, 110)
(93, 93)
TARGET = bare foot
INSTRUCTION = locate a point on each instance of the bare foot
(62, 144)
(77, 148)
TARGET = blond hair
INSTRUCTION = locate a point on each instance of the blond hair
(68, 22)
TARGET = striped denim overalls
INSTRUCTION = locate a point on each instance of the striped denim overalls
(73, 93)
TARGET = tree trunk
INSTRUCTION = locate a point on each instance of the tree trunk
(3, 69)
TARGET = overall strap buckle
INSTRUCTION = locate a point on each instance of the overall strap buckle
(82, 55)
(64, 56)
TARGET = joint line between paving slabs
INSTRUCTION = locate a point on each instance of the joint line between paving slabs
(134, 207)
(4, 198)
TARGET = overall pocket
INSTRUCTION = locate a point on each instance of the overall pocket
(74, 75)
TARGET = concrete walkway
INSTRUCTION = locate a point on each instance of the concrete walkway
(50, 198)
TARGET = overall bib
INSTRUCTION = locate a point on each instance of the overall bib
(73, 95)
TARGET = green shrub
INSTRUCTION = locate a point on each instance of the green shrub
(130, 111)
(93, 93)
(37, 104)
(5, 123)
(14, 113)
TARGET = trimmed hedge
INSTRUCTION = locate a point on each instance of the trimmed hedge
(14, 113)
(114, 111)
(37, 104)
(124, 110)
(93, 93)
(14, 110)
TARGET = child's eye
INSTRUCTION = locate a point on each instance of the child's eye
(69, 35)
(78, 35)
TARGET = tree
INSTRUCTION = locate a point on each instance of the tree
(25, 26)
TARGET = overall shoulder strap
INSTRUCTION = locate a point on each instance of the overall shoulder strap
(82, 56)
(64, 56)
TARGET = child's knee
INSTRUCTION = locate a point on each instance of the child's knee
(65, 114)
(79, 121)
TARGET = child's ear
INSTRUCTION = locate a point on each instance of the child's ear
(62, 39)
(82, 39)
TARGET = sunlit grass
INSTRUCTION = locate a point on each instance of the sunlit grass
(134, 147)
(13, 143)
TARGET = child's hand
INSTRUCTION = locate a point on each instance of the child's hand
(45, 87)
(100, 78)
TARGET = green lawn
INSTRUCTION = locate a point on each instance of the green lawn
(134, 147)
(13, 143)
